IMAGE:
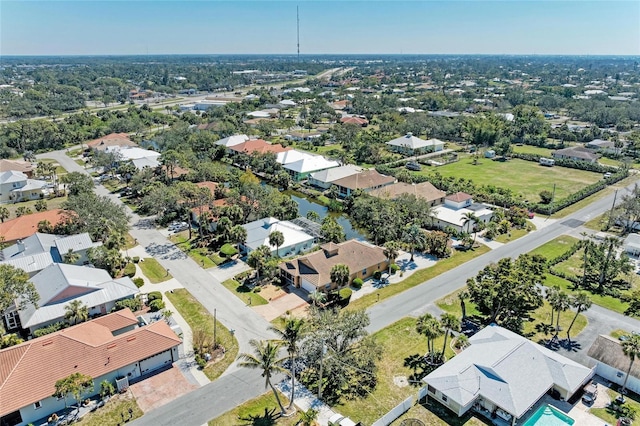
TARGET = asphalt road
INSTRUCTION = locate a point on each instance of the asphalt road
(238, 385)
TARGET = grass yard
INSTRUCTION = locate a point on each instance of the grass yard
(523, 177)
(111, 413)
(397, 341)
(153, 270)
(198, 317)
(555, 247)
(129, 242)
(253, 413)
(243, 293)
(608, 302)
(443, 265)
(514, 234)
(201, 255)
(432, 413)
(451, 304)
(530, 149)
(608, 415)
(597, 223)
(52, 203)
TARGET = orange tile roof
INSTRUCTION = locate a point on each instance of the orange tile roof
(208, 184)
(117, 320)
(20, 166)
(258, 145)
(364, 180)
(28, 371)
(354, 120)
(113, 139)
(459, 197)
(27, 225)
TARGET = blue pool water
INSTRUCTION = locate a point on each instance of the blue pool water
(548, 416)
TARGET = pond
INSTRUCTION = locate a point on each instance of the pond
(305, 205)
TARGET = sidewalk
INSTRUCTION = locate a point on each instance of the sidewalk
(304, 400)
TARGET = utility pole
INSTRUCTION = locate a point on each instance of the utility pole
(298, 29)
(613, 206)
(215, 323)
(553, 199)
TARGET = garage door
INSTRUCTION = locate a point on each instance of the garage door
(155, 362)
(308, 286)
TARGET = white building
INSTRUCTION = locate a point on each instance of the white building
(612, 364)
(632, 244)
(324, 178)
(295, 239)
(453, 212)
(301, 169)
(412, 145)
(140, 157)
(232, 140)
(16, 186)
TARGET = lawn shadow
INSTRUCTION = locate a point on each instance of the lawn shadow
(446, 415)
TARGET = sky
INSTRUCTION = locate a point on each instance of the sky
(87, 27)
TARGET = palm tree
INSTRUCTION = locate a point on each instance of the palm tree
(257, 259)
(462, 296)
(391, 252)
(70, 257)
(276, 238)
(223, 227)
(76, 312)
(290, 336)
(4, 213)
(414, 237)
(631, 348)
(469, 219)
(265, 358)
(238, 235)
(450, 323)
(340, 274)
(318, 297)
(552, 296)
(309, 417)
(562, 302)
(580, 302)
(430, 327)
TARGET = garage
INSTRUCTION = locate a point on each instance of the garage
(154, 362)
(308, 286)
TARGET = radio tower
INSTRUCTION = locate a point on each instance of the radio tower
(298, 29)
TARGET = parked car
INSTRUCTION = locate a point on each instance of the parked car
(590, 393)
(178, 226)
(607, 175)
(412, 165)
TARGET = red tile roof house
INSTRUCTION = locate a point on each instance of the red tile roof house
(27, 225)
(113, 139)
(362, 122)
(109, 347)
(313, 271)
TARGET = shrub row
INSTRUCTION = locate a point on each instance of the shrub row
(571, 164)
(566, 255)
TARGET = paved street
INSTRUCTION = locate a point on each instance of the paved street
(238, 385)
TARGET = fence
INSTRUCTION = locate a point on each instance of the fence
(396, 412)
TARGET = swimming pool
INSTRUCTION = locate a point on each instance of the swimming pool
(548, 416)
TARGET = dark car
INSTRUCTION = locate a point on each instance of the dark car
(590, 393)
(412, 165)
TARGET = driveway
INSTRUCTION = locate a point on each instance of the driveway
(160, 389)
(280, 306)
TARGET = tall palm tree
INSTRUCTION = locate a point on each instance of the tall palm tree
(70, 257)
(580, 302)
(76, 311)
(276, 238)
(265, 358)
(469, 219)
(429, 327)
(290, 335)
(238, 235)
(223, 227)
(318, 297)
(562, 302)
(414, 237)
(552, 296)
(631, 348)
(391, 252)
(449, 323)
(462, 296)
(340, 274)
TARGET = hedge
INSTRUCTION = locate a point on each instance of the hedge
(156, 305)
(356, 283)
(566, 255)
(129, 270)
(139, 282)
(133, 304)
(228, 250)
(154, 295)
(571, 164)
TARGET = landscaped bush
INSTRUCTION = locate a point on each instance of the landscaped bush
(50, 329)
(156, 305)
(344, 296)
(107, 388)
(139, 282)
(154, 295)
(356, 283)
(133, 304)
(136, 259)
(242, 276)
(228, 250)
(129, 270)
(202, 363)
(394, 268)
(377, 275)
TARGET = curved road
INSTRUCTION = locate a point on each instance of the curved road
(238, 385)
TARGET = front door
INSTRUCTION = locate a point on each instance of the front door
(103, 309)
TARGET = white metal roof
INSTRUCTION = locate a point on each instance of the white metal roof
(311, 164)
(11, 176)
(258, 233)
(330, 175)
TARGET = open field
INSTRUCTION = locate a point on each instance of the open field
(199, 318)
(523, 177)
(555, 247)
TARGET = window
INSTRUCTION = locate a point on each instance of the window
(620, 374)
(444, 398)
(11, 319)
(37, 404)
(431, 389)
(364, 272)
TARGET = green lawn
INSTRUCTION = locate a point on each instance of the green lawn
(153, 270)
(52, 204)
(253, 413)
(197, 316)
(513, 234)
(111, 413)
(632, 400)
(432, 413)
(536, 150)
(201, 255)
(555, 247)
(597, 223)
(443, 265)
(243, 293)
(129, 242)
(608, 302)
(451, 304)
(526, 178)
(397, 341)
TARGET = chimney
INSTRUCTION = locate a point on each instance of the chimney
(20, 245)
(409, 134)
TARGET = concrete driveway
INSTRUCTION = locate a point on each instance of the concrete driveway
(278, 307)
(160, 389)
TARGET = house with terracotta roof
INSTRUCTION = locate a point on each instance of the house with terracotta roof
(17, 165)
(424, 190)
(111, 140)
(412, 145)
(16, 186)
(456, 206)
(26, 225)
(313, 271)
(324, 178)
(106, 348)
(358, 121)
(367, 180)
(257, 146)
(197, 211)
(60, 283)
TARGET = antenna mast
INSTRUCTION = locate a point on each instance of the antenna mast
(298, 29)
